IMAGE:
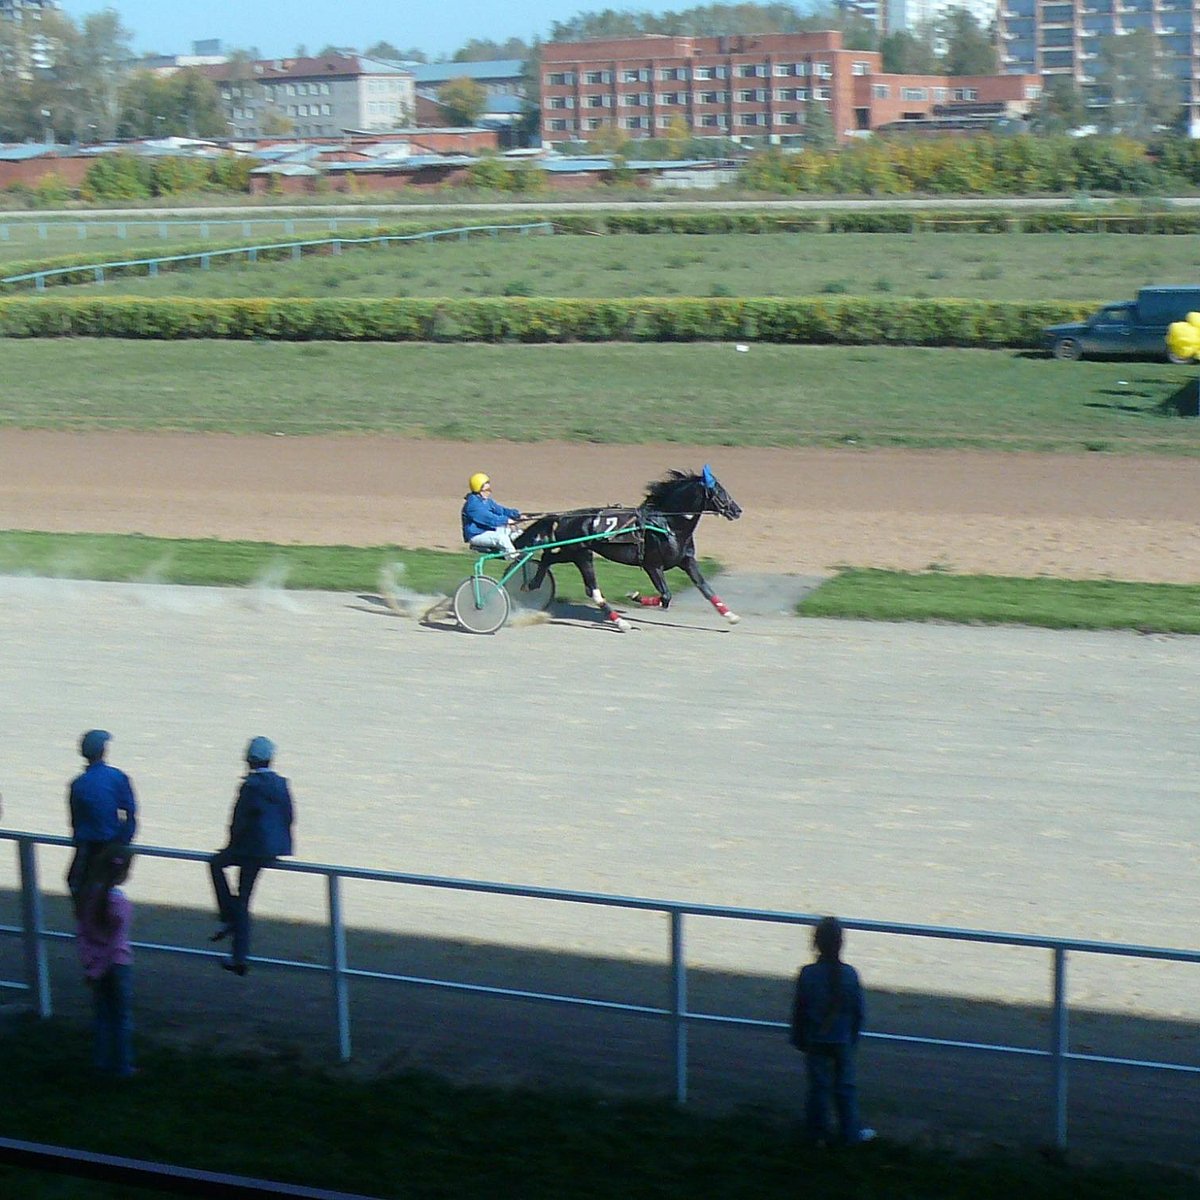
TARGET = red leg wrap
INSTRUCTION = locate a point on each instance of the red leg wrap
(650, 601)
(720, 605)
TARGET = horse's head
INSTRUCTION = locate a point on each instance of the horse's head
(716, 498)
(685, 492)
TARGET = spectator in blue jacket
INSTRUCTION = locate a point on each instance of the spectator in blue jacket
(487, 525)
(259, 832)
(827, 1016)
(102, 807)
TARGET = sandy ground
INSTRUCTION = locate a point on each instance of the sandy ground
(806, 511)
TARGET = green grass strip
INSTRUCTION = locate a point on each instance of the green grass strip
(415, 1136)
(874, 595)
(134, 558)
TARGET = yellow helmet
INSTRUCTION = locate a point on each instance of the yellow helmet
(476, 482)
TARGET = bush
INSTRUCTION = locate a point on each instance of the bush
(830, 319)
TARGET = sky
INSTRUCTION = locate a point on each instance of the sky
(277, 27)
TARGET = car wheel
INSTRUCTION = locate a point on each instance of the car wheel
(1068, 349)
(1177, 359)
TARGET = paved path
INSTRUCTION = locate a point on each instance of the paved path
(1010, 779)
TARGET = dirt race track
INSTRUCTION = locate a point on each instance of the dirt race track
(990, 778)
(807, 511)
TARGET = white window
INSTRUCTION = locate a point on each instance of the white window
(324, 89)
(822, 70)
(860, 68)
(708, 121)
(557, 102)
(594, 122)
(327, 110)
(629, 76)
(1033, 91)
(881, 91)
(745, 95)
(558, 125)
(560, 78)
(594, 77)
(665, 122)
(939, 93)
(710, 97)
(291, 89)
(703, 73)
(782, 70)
(722, 72)
(820, 93)
(801, 69)
(747, 71)
(914, 93)
(787, 118)
(595, 101)
(633, 122)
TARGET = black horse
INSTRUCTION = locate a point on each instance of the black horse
(656, 536)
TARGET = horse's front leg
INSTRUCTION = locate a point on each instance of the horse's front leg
(659, 579)
(587, 571)
(692, 567)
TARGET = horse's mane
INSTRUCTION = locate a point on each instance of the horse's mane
(662, 492)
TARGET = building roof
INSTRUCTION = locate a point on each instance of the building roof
(425, 74)
(23, 151)
(414, 162)
(321, 67)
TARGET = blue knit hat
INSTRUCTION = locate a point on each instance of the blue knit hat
(92, 744)
(260, 751)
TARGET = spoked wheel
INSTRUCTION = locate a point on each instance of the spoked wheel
(524, 595)
(480, 604)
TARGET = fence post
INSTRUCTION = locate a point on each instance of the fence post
(1060, 1042)
(679, 1033)
(37, 973)
(337, 967)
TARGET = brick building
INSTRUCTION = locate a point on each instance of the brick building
(744, 87)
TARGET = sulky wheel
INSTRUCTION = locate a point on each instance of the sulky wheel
(480, 604)
(522, 595)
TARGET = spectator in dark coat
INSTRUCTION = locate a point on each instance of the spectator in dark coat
(102, 806)
(259, 833)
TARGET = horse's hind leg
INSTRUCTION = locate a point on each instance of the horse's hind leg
(692, 567)
(663, 599)
(587, 571)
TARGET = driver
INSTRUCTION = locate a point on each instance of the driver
(487, 525)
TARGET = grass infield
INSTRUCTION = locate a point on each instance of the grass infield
(705, 393)
(860, 594)
(413, 1136)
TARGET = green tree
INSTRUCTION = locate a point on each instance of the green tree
(392, 53)
(1138, 99)
(818, 133)
(1060, 108)
(463, 99)
(969, 47)
(485, 50)
(907, 53)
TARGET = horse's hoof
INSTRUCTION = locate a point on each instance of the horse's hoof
(732, 618)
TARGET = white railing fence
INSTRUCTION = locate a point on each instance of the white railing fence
(679, 1017)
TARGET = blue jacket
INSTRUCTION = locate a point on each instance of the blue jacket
(480, 514)
(819, 1016)
(262, 816)
(102, 805)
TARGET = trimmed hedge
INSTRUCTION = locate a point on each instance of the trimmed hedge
(833, 320)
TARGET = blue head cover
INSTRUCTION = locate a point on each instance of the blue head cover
(92, 744)
(260, 751)
(708, 478)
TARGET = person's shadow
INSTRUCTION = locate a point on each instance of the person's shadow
(1183, 402)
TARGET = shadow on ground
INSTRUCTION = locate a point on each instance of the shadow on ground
(965, 1099)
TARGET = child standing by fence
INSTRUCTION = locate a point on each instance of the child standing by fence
(827, 1017)
(104, 925)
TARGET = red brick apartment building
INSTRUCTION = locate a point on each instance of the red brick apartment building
(744, 87)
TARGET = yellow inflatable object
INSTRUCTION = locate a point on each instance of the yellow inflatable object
(1183, 337)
